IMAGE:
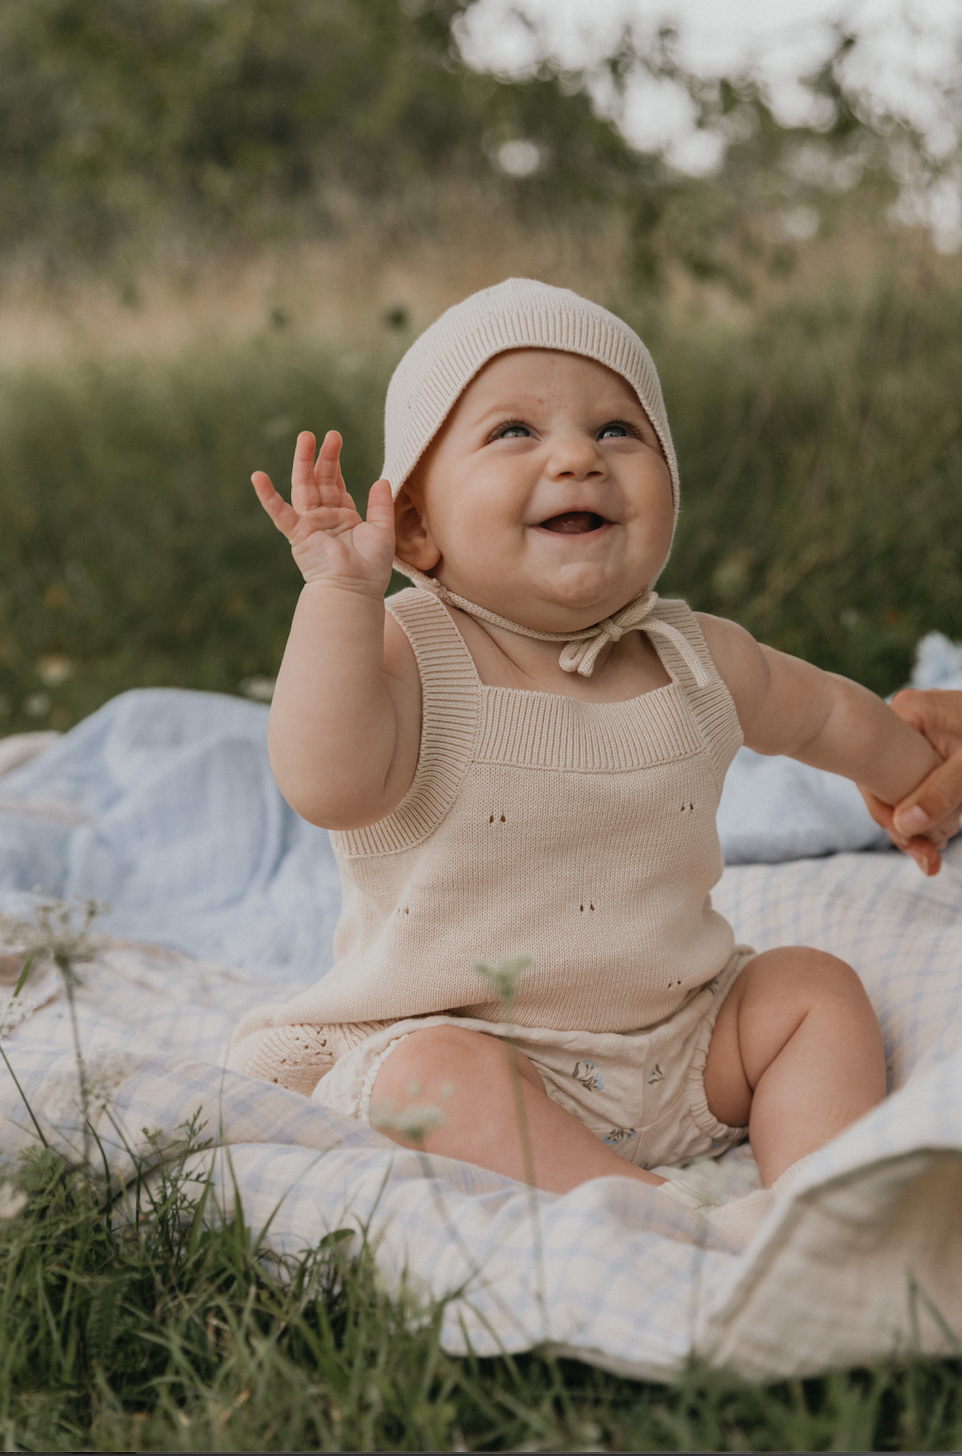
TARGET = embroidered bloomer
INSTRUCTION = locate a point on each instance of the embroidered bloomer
(642, 1093)
(580, 834)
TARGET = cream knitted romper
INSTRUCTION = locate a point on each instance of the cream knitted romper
(580, 834)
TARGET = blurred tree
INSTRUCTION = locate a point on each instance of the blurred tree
(257, 119)
(115, 112)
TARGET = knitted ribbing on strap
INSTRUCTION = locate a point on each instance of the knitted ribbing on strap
(517, 314)
(584, 646)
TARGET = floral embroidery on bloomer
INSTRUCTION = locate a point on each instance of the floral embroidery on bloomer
(619, 1135)
(657, 1075)
(587, 1074)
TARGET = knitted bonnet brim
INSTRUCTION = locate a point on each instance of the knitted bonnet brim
(517, 314)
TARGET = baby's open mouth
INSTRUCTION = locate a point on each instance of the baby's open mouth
(574, 523)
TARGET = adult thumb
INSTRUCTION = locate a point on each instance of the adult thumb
(937, 796)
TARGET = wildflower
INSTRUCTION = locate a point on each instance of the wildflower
(54, 670)
(14, 1010)
(415, 1122)
(60, 933)
(37, 705)
(261, 689)
(103, 1074)
(504, 977)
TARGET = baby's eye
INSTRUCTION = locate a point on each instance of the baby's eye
(615, 430)
(514, 431)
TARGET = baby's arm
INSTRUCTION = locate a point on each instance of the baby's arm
(345, 720)
(788, 706)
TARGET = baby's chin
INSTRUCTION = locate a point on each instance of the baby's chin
(563, 602)
(586, 592)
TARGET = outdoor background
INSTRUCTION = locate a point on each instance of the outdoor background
(221, 223)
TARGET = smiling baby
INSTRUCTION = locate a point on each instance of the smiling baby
(523, 754)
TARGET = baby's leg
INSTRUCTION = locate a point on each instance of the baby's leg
(796, 1054)
(468, 1075)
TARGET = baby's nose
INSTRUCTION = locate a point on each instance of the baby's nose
(576, 456)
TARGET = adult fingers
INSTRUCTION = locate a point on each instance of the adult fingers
(923, 851)
(936, 798)
(934, 712)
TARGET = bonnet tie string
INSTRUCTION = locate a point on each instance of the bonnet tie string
(582, 648)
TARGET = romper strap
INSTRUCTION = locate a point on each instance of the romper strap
(708, 697)
(442, 656)
(451, 698)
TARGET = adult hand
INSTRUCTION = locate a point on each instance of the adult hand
(922, 823)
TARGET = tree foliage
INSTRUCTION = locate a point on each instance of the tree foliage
(245, 121)
(258, 113)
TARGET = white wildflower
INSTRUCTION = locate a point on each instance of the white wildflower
(415, 1122)
(54, 670)
(65, 1100)
(13, 1011)
(260, 689)
(105, 1074)
(60, 933)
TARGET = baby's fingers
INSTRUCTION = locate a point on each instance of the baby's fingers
(327, 472)
(304, 493)
(285, 518)
(380, 506)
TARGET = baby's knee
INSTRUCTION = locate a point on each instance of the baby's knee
(446, 1059)
(801, 973)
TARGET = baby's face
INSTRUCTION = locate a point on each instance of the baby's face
(545, 497)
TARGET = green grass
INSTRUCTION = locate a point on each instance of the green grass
(821, 450)
(820, 446)
(163, 1333)
(131, 544)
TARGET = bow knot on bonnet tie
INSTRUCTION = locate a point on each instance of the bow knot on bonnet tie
(523, 314)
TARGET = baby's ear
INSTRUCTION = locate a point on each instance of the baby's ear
(415, 544)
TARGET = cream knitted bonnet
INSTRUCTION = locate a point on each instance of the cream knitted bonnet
(518, 314)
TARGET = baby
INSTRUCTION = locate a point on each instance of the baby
(523, 754)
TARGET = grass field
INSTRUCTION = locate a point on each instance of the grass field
(159, 1333)
(819, 435)
(819, 432)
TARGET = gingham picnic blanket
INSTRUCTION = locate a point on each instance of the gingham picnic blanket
(864, 1260)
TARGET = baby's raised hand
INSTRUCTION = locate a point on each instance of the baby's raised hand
(329, 539)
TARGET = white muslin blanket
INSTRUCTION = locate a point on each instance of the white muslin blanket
(162, 803)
